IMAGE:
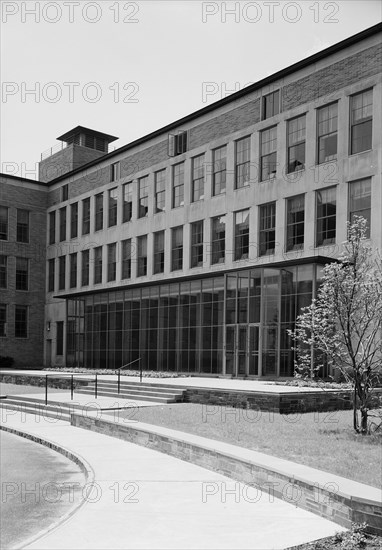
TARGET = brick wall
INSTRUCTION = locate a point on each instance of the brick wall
(27, 352)
(308, 88)
(338, 75)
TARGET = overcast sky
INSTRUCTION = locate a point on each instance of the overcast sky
(128, 68)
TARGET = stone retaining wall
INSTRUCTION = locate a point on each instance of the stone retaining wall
(25, 380)
(284, 403)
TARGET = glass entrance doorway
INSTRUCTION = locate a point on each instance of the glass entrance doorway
(242, 350)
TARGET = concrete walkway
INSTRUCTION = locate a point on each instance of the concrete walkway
(145, 499)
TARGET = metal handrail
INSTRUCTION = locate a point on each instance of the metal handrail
(127, 364)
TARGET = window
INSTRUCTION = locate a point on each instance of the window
(113, 207)
(52, 227)
(98, 221)
(197, 184)
(73, 270)
(51, 275)
(3, 223)
(271, 105)
(267, 229)
(177, 143)
(21, 321)
(360, 201)
(176, 248)
(111, 262)
(142, 255)
(268, 157)
(178, 185)
(126, 259)
(160, 191)
(295, 222)
(159, 252)
(218, 240)
(219, 171)
(242, 162)
(74, 220)
(60, 338)
(86, 216)
(3, 271)
(65, 192)
(197, 244)
(327, 126)
(98, 265)
(62, 217)
(85, 267)
(361, 122)
(296, 144)
(143, 203)
(22, 227)
(3, 320)
(61, 272)
(115, 171)
(22, 276)
(242, 235)
(127, 203)
(326, 216)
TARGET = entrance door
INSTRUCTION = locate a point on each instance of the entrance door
(242, 350)
(253, 350)
(48, 353)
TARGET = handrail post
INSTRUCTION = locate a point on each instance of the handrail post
(140, 370)
(96, 387)
(119, 381)
(46, 389)
(71, 388)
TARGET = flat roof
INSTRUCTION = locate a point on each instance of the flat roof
(27, 180)
(81, 129)
(354, 39)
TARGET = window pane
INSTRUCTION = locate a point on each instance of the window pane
(360, 201)
(295, 223)
(22, 231)
(326, 216)
(241, 235)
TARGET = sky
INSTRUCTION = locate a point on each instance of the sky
(129, 68)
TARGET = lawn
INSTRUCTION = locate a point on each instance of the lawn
(321, 440)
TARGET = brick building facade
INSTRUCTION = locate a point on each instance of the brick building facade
(195, 247)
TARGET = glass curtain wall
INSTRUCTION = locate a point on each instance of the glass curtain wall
(234, 324)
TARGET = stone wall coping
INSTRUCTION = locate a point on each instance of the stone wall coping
(348, 488)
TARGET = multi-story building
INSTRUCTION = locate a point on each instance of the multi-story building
(195, 247)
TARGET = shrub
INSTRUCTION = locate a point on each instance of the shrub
(6, 362)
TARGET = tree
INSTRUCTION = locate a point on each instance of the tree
(343, 325)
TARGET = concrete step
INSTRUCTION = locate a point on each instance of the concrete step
(127, 390)
(131, 396)
(145, 392)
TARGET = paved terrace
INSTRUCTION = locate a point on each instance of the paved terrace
(181, 381)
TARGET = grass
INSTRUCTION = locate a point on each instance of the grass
(325, 441)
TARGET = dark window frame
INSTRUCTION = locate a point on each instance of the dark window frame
(218, 242)
(325, 137)
(325, 229)
(22, 274)
(196, 244)
(22, 227)
(159, 252)
(267, 228)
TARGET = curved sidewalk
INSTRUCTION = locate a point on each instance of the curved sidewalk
(145, 499)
